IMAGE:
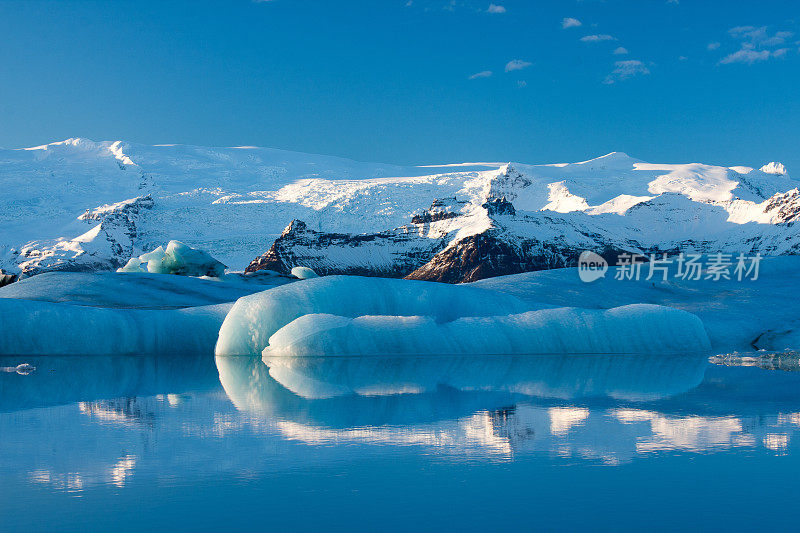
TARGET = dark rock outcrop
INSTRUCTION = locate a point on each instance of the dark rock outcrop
(7, 279)
(499, 206)
(441, 209)
(392, 253)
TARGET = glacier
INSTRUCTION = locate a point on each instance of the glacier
(304, 273)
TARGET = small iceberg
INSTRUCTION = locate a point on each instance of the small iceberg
(304, 273)
(178, 258)
(22, 369)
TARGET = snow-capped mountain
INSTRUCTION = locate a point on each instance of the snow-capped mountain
(84, 205)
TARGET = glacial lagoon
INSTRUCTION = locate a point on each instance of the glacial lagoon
(658, 442)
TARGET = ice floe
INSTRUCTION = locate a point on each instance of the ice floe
(641, 328)
(31, 327)
(254, 319)
(81, 313)
(138, 290)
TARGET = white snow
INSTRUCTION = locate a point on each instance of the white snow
(774, 168)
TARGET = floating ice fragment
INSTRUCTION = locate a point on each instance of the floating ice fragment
(23, 369)
(134, 264)
(304, 273)
(178, 258)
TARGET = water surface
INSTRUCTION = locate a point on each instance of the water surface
(469, 443)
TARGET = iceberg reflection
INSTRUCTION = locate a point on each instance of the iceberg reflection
(604, 408)
(357, 391)
(59, 380)
(625, 377)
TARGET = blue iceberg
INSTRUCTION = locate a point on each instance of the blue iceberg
(343, 315)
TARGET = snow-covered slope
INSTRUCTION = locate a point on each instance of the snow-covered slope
(84, 205)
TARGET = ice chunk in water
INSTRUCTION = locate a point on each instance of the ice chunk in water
(178, 258)
(638, 328)
(304, 273)
(22, 369)
(255, 318)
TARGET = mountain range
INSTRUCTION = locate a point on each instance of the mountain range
(81, 205)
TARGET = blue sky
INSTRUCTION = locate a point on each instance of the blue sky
(412, 82)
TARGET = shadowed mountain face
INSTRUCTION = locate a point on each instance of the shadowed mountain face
(81, 205)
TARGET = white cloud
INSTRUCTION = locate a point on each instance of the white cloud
(517, 64)
(522, 83)
(760, 36)
(570, 22)
(481, 74)
(757, 45)
(777, 39)
(741, 30)
(626, 69)
(746, 55)
(597, 38)
(620, 51)
(494, 8)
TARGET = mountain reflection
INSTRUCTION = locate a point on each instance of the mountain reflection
(117, 419)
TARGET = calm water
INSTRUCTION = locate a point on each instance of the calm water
(475, 443)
